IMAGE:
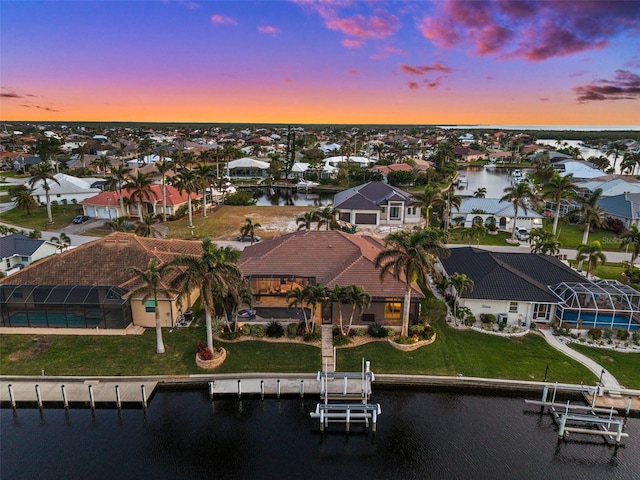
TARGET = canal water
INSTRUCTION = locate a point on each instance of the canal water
(276, 197)
(421, 435)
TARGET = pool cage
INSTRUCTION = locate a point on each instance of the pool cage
(63, 306)
(598, 304)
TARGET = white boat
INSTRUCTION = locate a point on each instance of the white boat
(306, 184)
(516, 173)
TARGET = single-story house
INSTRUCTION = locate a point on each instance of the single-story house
(467, 154)
(514, 284)
(625, 207)
(67, 188)
(18, 251)
(475, 210)
(88, 287)
(106, 205)
(394, 167)
(611, 185)
(580, 169)
(276, 266)
(247, 168)
(377, 203)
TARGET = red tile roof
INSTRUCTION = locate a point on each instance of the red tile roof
(174, 197)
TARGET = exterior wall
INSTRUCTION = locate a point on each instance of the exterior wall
(352, 215)
(168, 313)
(521, 222)
(522, 316)
(69, 197)
(14, 263)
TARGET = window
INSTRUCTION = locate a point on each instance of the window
(513, 307)
(24, 259)
(150, 306)
(394, 212)
(392, 309)
(411, 211)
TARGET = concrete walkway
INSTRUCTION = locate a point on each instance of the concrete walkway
(608, 381)
(328, 364)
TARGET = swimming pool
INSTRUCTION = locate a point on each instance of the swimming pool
(44, 319)
(602, 320)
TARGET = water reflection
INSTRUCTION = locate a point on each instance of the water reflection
(289, 197)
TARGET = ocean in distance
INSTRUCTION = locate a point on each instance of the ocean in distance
(568, 128)
(421, 435)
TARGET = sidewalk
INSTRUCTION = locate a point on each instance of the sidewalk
(608, 381)
(328, 364)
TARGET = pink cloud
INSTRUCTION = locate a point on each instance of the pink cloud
(354, 72)
(352, 43)
(269, 30)
(422, 69)
(624, 86)
(544, 99)
(413, 85)
(577, 74)
(533, 30)
(222, 20)
(288, 80)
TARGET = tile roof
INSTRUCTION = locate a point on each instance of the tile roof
(370, 196)
(331, 257)
(174, 197)
(509, 276)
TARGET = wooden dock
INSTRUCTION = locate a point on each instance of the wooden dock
(79, 394)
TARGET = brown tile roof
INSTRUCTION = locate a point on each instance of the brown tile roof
(332, 258)
(103, 262)
(174, 197)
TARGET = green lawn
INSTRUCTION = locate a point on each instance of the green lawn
(456, 236)
(624, 366)
(470, 354)
(570, 236)
(62, 216)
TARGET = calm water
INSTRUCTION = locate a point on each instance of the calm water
(292, 198)
(420, 435)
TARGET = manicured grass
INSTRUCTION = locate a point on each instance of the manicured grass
(62, 216)
(135, 355)
(570, 236)
(456, 236)
(470, 354)
(624, 366)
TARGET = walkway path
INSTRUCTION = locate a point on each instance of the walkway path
(608, 381)
(328, 365)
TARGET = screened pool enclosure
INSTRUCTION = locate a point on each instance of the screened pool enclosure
(63, 306)
(599, 304)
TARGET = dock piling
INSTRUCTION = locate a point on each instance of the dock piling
(65, 400)
(12, 398)
(118, 399)
(211, 390)
(38, 396)
(262, 389)
(301, 388)
(278, 389)
(144, 397)
(92, 401)
(239, 388)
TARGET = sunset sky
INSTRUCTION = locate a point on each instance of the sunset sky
(334, 62)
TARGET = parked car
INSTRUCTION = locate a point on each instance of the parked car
(522, 234)
(247, 238)
(80, 219)
(247, 313)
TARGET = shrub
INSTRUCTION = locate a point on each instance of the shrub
(433, 309)
(391, 332)
(275, 330)
(229, 335)
(313, 336)
(622, 334)
(360, 332)
(608, 334)
(340, 340)
(377, 331)
(404, 340)
(615, 225)
(240, 198)
(469, 320)
(292, 330)
(204, 352)
(489, 318)
(635, 336)
(245, 329)
(594, 333)
(257, 330)
(416, 330)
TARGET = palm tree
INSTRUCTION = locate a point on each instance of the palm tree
(22, 199)
(145, 227)
(359, 300)
(430, 197)
(213, 273)
(592, 215)
(63, 241)
(328, 216)
(118, 179)
(248, 229)
(315, 295)
(296, 298)
(480, 193)
(120, 224)
(474, 232)
(451, 201)
(187, 181)
(139, 188)
(204, 174)
(460, 283)
(411, 255)
(338, 295)
(557, 188)
(592, 253)
(163, 166)
(632, 238)
(43, 172)
(152, 285)
(543, 242)
(102, 164)
(519, 196)
(307, 219)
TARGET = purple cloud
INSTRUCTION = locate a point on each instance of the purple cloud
(624, 86)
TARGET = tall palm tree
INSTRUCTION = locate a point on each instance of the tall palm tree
(315, 296)
(163, 166)
(338, 295)
(119, 175)
(296, 298)
(520, 196)
(632, 238)
(430, 197)
(306, 220)
(359, 300)
(460, 283)
(102, 164)
(213, 273)
(204, 174)
(591, 214)
(22, 199)
(146, 228)
(43, 172)
(139, 188)
(556, 189)
(152, 285)
(187, 181)
(248, 229)
(411, 255)
(593, 254)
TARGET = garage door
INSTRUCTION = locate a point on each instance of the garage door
(345, 216)
(366, 218)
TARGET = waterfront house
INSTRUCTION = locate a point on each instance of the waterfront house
(276, 266)
(377, 203)
(87, 287)
(481, 210)
(68, 188)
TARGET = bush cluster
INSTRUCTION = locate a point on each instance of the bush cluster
(274, 330)
(257, 331)
(377, 331)
(489, 318)
(340, 340)
(204, 352)
(594, 333)
(313, 336)
(292, 330)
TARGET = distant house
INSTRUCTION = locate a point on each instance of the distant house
(611, 185)
(106, 205)
(514, 284)
(481, 210)
(377, 203)
(467, 154)
(624, 207)
(580, 169)
(18, 251)
(276, 266)
(89, 286)
(246, 168)
(68, 188)
(394, 167)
